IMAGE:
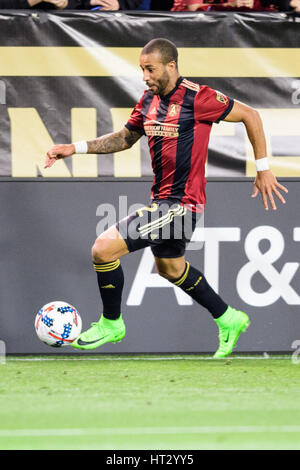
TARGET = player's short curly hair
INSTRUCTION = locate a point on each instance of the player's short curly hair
(166, 48)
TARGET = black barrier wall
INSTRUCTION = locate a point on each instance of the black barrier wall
(250, 256)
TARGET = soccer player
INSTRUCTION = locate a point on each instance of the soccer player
(176, 115)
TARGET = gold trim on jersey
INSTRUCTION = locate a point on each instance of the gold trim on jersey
(190, 85)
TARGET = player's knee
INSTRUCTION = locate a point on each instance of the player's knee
(169, 272)
(100, 251)
(160, 271)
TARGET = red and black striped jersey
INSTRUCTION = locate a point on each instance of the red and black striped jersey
(178, 126)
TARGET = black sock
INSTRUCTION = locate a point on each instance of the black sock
(194, 284)
(110, 281)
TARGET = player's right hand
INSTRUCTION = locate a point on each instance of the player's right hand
(266, 183)
(57, 152)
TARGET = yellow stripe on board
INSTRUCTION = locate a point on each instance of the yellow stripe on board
(128, 162)
(124, 61)
(283, 124)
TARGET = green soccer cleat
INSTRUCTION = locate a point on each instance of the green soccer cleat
(231, 324)
(101, 332)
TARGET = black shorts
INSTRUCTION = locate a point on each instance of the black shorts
(165, 226)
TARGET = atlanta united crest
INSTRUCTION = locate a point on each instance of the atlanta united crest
(174, 109)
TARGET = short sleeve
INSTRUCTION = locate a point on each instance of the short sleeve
(211, 105)
(135, 122)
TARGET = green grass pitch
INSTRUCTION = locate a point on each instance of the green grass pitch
(149, 402)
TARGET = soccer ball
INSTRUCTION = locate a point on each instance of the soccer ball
(58, 324)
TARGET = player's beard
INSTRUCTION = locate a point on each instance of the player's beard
(161, 84)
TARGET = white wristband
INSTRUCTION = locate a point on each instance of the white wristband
(81, 147)
(262, 164)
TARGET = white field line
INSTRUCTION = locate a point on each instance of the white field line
(285, 428)
(142, 358)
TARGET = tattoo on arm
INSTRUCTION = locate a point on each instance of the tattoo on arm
(114, 142)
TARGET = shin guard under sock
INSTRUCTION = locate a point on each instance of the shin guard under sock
(110, 279)
(194, 284)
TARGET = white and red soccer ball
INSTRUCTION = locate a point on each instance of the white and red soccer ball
(58, 324)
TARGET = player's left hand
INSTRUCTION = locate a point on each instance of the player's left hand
(266, 183)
